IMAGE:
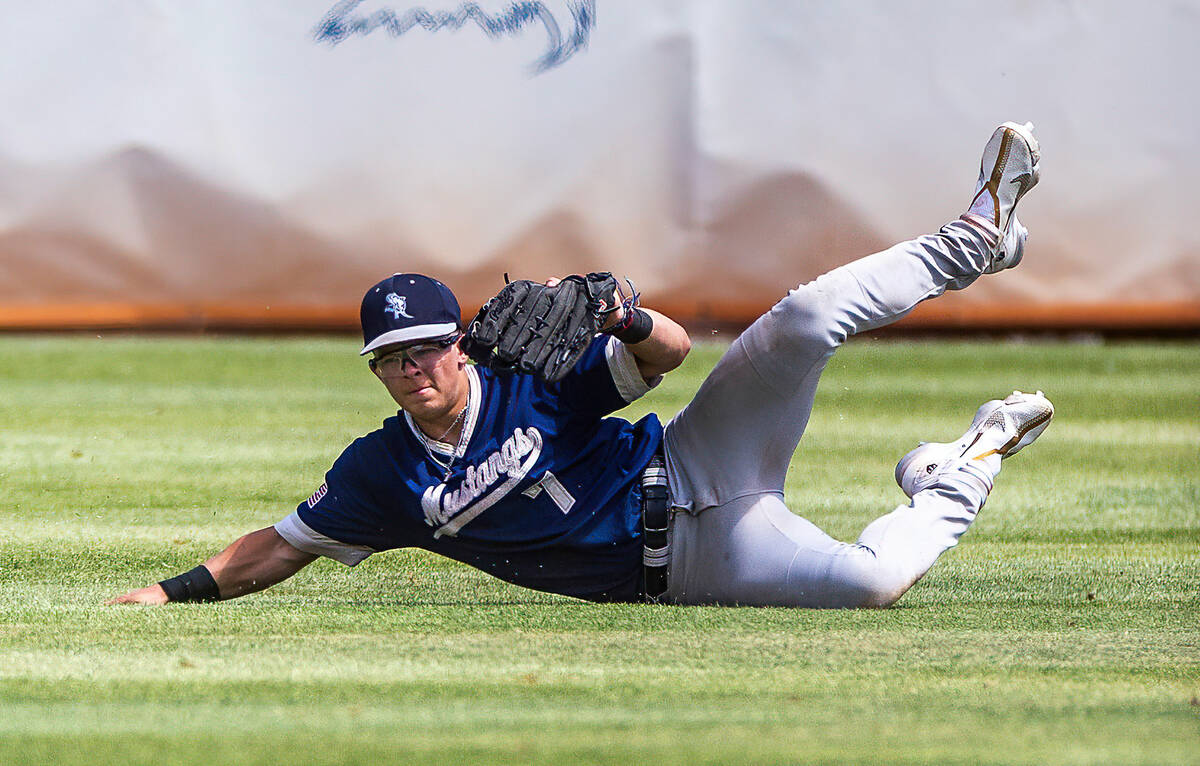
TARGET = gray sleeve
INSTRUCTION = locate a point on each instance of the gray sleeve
(623, 366)
(305, 538)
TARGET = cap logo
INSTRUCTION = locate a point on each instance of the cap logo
(397, 306)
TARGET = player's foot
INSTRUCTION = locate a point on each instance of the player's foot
(1008, 170)
(1001, 427)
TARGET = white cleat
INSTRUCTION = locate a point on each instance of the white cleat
(1001, 428)
(1009, 168)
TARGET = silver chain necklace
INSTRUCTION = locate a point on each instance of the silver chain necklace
(457, 445)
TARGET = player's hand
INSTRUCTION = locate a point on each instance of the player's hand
(151, 594)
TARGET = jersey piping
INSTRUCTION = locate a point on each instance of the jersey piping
(304, 538)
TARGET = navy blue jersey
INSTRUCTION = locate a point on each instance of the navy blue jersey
(544, 491)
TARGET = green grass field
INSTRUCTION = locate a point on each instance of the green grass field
(1065, 628)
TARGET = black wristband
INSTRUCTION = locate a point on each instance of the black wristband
(194, 585)
(635, 328)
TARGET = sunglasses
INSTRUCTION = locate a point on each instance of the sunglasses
(423, 356)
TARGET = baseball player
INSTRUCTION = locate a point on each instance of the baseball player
(514, 467)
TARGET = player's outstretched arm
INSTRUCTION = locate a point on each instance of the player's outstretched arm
(253, 562)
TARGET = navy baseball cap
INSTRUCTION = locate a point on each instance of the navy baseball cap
(406, 308)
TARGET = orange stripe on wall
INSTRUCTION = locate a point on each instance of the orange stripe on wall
(1165, 316)
(95, 316)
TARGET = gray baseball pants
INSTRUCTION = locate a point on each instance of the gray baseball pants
(733, 540)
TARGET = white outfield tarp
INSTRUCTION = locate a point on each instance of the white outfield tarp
(167, 162)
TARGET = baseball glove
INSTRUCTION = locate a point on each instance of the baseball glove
(538, 330)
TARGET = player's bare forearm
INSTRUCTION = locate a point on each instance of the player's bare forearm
(256, 561)
(251, 563)
(665, 349)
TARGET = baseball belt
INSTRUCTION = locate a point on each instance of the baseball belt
(656, 517)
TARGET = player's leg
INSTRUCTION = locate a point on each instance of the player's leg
(752, 550)
(737, 435)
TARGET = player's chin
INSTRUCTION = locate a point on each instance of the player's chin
(423, 401)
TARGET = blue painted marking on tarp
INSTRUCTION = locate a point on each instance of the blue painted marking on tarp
(344, 21)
